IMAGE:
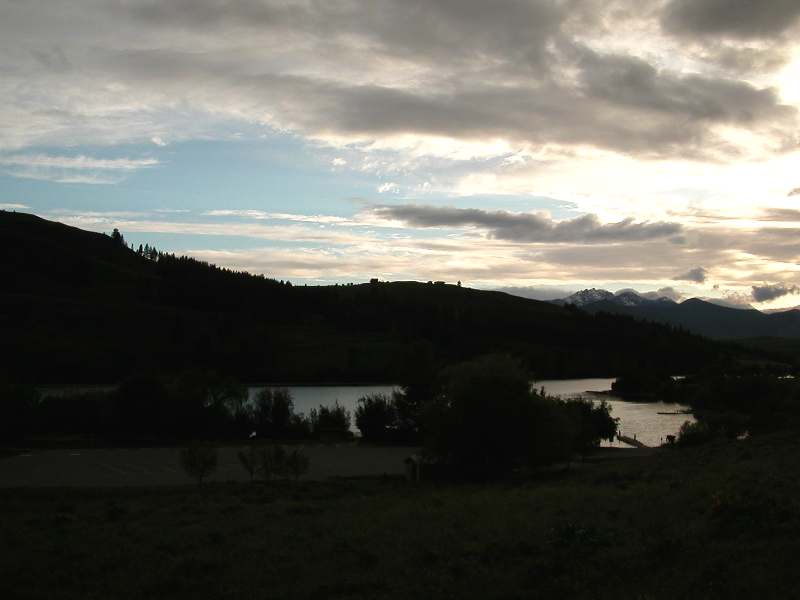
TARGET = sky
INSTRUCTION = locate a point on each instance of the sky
(539, 146)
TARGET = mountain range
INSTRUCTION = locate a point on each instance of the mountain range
(702, 316)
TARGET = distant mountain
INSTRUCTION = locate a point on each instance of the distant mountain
(585, 297)
(729, 304)
(627, 297)
(770, 311)
(712, 318)
(77, 306)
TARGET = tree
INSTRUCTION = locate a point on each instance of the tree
(330, 420)
(116, 236)
(488, 421)
(199, 461)
(273, 411)
(592, 423)
(376, 417)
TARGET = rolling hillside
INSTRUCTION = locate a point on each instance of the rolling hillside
(78, 306)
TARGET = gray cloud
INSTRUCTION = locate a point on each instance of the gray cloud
(781, 214)
(698, 275)
(765, 293)
(524, 227)
(743, 19)
(632, 82)
(664, 292)
(794, 192)
(463, 69)
(536, 292)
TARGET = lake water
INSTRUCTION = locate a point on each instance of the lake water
(641, 419)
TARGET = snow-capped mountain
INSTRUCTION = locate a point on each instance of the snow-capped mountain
(585, 297)
(625, 297)
(629, 298)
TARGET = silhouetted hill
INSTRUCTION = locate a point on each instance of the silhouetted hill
(80, 306)
(709, 319)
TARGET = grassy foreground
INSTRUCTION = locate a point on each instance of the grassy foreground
(717, 521)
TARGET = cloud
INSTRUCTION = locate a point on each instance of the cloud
(12, 206)
(402, 72)
(389, 188)
(697, 274)
(526, 227)
(765, 293)
(794, 192)
(77, 162)
(72, 169)
(665, 292)
(261, 215)
(744, 19)
(536, 292)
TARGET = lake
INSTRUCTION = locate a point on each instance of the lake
(641, 419)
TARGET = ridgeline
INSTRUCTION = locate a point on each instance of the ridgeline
(78, 306)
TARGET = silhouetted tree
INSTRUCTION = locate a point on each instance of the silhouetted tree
(376, 417)
(486, 420)
(117, 237)
(199, 461)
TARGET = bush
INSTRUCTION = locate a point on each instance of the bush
(376, 417)
(271, 462)
(297, 463)
(694, 434)
(199, 461)
(249, 460)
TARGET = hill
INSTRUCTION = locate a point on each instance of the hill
(78, 306)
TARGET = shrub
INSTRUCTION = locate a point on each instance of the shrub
(271, 461)
(199, 461)
(249, 460)
(297, 463)
(376, 417)
(694, 434)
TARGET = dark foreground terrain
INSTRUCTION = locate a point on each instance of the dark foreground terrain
(111, 467)
(718, 521)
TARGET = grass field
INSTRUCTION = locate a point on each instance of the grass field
(717, 521)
